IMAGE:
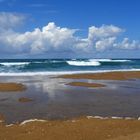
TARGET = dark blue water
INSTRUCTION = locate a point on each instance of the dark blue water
(67, 65)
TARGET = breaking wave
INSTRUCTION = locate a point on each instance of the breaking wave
(14, 63)
(61, 65)
(84, 63)
(109, 60)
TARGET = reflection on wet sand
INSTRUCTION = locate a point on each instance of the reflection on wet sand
(58, 108)
(52, 98)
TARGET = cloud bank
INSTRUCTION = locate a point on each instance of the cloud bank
(52, 39)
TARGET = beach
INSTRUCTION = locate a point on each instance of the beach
(77, 129)
(69, 70)
(87, 106)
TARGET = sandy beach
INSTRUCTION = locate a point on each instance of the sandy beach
(69, 70)
(77, 129)
(81, 128)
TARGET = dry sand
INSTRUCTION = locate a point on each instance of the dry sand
(78, 129)
(105, 76)
(83, 84)
(7, 87)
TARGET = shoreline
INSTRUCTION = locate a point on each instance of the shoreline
(55, 73)
(79, 128)
(24, 122)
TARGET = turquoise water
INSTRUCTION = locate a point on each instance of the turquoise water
(66, 65)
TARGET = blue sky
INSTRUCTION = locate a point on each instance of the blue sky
(119, 19)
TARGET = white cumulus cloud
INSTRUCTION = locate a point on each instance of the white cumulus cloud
(127, 44)
(10, 20)
(103, 37)
(54, 39)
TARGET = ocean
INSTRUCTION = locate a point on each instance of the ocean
(56, 66)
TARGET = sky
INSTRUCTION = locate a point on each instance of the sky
(69, 29)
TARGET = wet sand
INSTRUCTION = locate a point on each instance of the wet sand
(105, 76)
(24, 100)
(4, 87)
(83, 84)
(78, 129)
(1, 117)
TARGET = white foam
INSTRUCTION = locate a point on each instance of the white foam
(73, 121)
(9, 125)
(100, 60)
(84, 63)
(110, 60)
(116, 117)
(120, 60)
(96, 117)
(32, 120)
(129, 118)
(94, 62)
(113, 117)
(138, 118)
(14, 63)
(1, 121)
(53, 73)
(88, 117)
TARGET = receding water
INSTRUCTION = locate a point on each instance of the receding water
(53, 99)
